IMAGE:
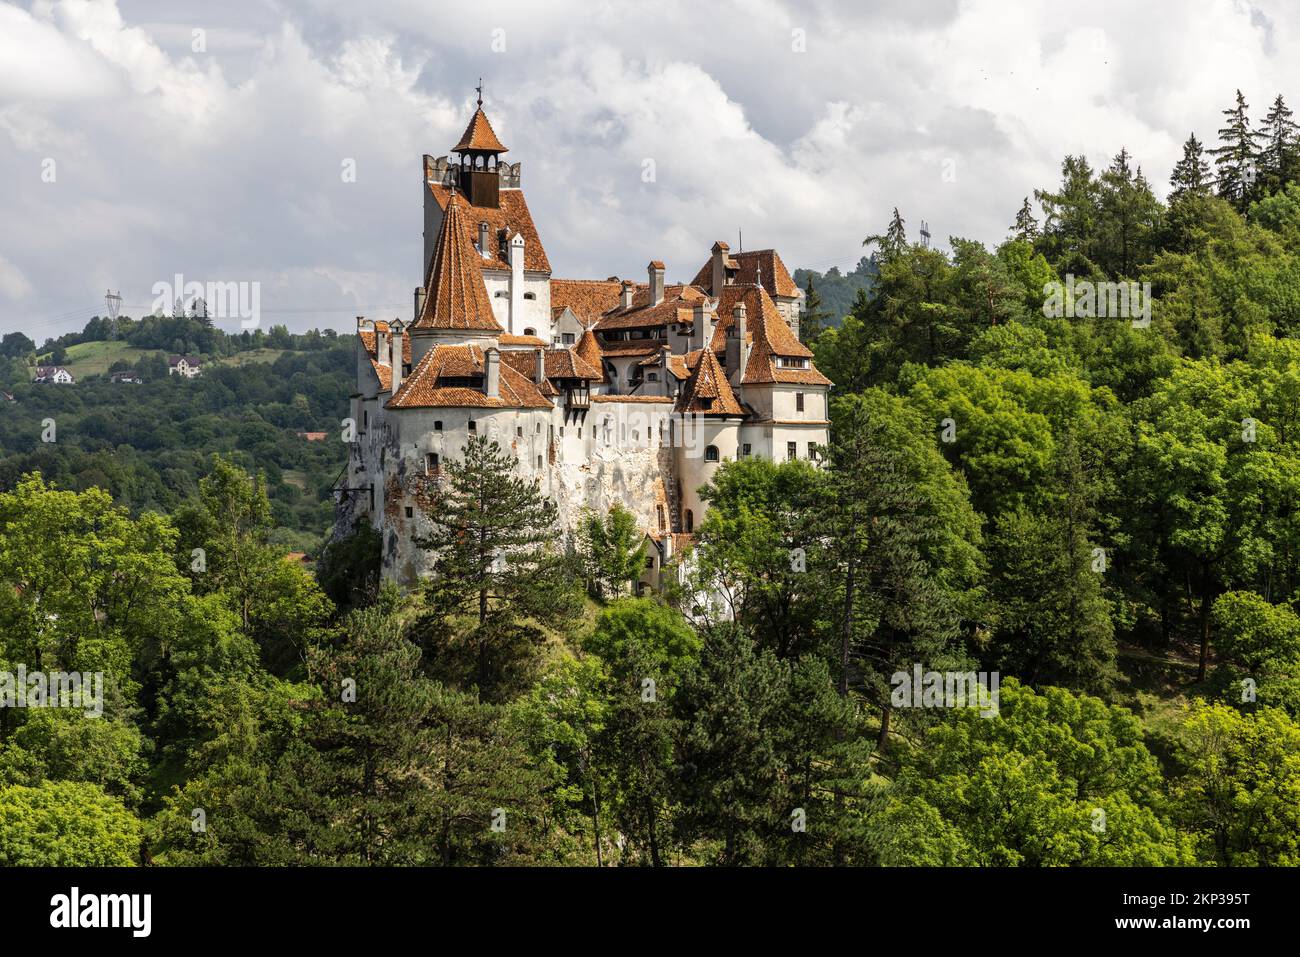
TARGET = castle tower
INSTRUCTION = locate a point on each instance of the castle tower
(480, 154)
(456, 309)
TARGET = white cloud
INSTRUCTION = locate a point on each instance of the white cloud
(225, 164)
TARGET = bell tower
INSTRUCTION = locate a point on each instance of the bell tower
(480, 155)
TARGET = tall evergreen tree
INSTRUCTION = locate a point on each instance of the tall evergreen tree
(1026, 226)
(893, 241)
(1235, 156)
(1279, 151)
(1192, 172)
(814, 317)
(496, 561)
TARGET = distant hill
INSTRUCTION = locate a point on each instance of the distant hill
(839, 290)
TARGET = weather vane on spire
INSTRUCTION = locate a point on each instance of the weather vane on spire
(480, 91)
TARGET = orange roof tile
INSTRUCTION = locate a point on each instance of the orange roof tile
(588, 298)
(512, 216)
(509, 340)
(752, 265)
(456, 297)
(426, 387)
(632, 398)
(588, 349)
(769, 335)
(479, 135)
(383, 372)
(707, 391)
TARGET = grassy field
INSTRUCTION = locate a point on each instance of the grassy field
(94, 358)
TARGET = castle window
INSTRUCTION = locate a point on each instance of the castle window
(690, 521)
(649, 561)
(660, 511)
(410, 512)
(365, 420)
(501, 294)
(566, 338)
(539, 461)
(539, 428)
(519, 431)
(530, 331)
(711, 454)
(791, 451)
(473, 426)
(798, 401)
(653, 377)
(745, 450)
(431, 463)
(529, 295)
(437, 426)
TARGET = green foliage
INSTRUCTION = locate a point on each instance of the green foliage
(65, 824)
(1056, 779)
(494, 548)
(612, 550)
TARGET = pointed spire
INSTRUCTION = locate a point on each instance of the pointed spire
(457, 297)
(479, 135)
(588, 349)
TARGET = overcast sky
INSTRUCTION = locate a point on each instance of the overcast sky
(128, 157)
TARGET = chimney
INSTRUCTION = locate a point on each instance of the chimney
(482, 238)
(702, 331)
(539, 370)
(397, 359)
(382, 352)
(737, 350)
(629, 287)
(419, 302)
(492, 372)
(656, 273)
(719, 268)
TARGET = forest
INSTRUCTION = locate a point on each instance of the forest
(1092, 514)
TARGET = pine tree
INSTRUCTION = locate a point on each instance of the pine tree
(613, 551)
(893, 241)
(814, 317)
(1279, 153)
(496, 560)
(1235, 158)
(1070, 218)
(1191, 173)
(1025, 227)
(1126, 220)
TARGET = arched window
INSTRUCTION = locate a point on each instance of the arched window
(530, 295)
(530, 332)
(690, 521)
(711, 454)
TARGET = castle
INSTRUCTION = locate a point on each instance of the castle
(607, 391)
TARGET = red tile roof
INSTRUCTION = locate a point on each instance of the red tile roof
(456, 297)
(750, 267)
(426, 386)
(588, 349)
(513, 217)
(769, 335)
(588, 298)
(479, 135)
(707, 391)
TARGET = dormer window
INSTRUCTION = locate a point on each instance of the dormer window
(530, 295)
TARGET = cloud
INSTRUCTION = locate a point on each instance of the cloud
(801, 123)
